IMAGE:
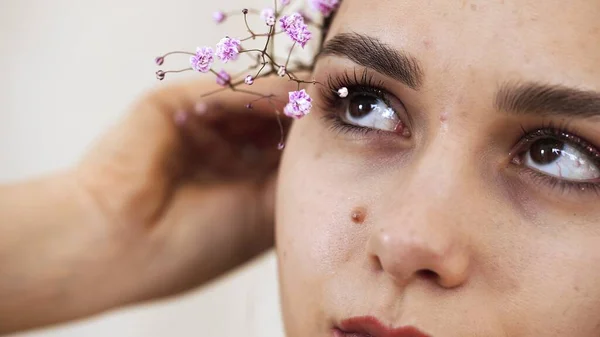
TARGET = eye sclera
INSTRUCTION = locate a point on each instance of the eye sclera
(360, 82)
(384, 119)
(573, 147)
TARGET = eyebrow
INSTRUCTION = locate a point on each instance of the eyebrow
(547, 100)
(371, 52)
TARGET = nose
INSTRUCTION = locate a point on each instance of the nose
(421, 236)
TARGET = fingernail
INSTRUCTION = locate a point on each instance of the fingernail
(200, 108)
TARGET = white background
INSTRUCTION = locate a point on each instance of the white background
(70, 68)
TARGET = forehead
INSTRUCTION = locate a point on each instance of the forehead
(549, 41)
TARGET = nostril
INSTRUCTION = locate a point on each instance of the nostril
(428, 274)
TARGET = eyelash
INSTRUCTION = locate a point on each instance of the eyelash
(563, 133)
(366, 84)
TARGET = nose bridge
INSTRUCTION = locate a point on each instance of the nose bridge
(438, 173)
(422, 227)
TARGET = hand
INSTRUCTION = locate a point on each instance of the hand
(187, 184)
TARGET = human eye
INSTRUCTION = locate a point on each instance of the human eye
(560, 158)
(367, 108)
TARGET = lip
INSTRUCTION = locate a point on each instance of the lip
(368, 326)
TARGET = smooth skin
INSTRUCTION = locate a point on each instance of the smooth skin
(457, 240)
(162, 203)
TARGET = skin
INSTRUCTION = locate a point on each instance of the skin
(155, 208)
(440, 230)
(456, 239)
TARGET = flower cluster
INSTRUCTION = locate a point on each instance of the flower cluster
(228, 49)
(268, 16)
(203, 59)
(296, 27)
(299, 105)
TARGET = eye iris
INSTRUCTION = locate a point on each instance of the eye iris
(362, 105)
(546, 151)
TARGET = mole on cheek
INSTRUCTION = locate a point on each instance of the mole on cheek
(358, 215)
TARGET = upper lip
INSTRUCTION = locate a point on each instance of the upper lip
(371, 326)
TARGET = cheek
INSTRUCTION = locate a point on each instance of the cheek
(562, 286)
(315, 232)
(318, 222)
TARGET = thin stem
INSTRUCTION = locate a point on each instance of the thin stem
(247, 26)
(281, 132)
(268, 40)
(236, 13)
(282, 136)
(289, 55)
(264, 51)
(214, 92)
(260, 51)
(272, 45)
(178, 52)
(259, 35)
(177, 71)
(233, 86)
(264, 64)
(306, 82)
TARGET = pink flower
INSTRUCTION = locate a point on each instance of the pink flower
(249, 80)
(203, 59)
(326, 7)
(299, 105)
(223, 78)
(228, 49)
(219, 16)
(295, 28)
(268, 15)
(285, 2)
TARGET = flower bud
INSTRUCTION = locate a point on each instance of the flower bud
(281, 72)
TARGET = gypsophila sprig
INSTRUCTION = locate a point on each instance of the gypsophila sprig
(294, 26)
(203, 59)
(279, 17)
(299, 105)
(228, 49)
(268, 16)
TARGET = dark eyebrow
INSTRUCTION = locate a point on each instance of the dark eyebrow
(372, 53)
(547, 100)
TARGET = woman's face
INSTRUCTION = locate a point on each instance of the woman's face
(457, 188)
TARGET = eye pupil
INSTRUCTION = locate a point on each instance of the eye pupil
(362, 105)
(546, 151)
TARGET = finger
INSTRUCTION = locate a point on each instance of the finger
(231, 154)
